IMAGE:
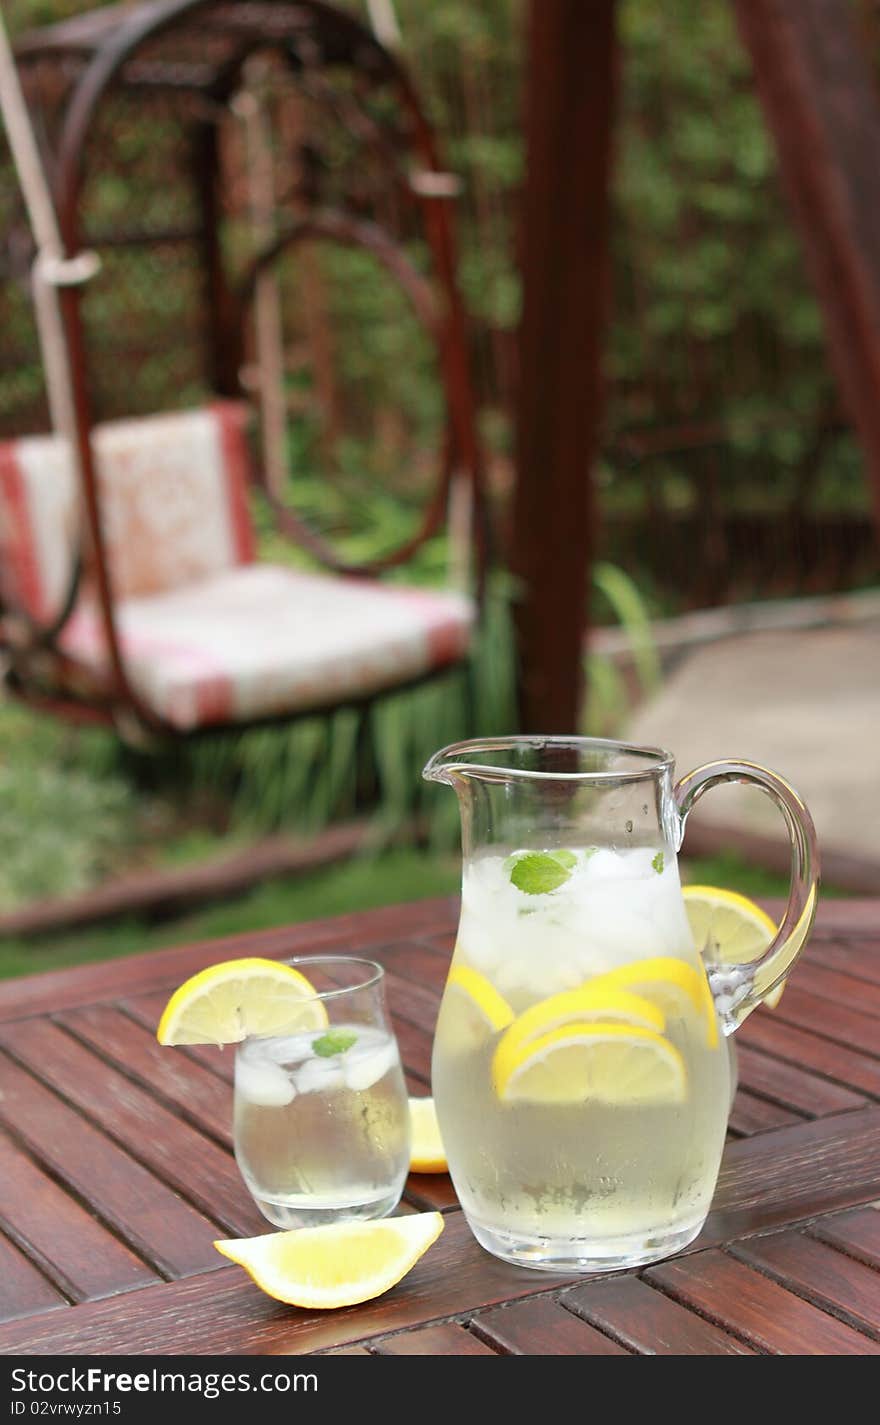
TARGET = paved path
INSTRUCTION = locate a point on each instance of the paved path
(806, 703)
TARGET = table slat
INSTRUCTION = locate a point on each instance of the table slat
(858, 958)
(24, 1291)
(120, 1171)
(856, 1232)
(826, 1277)
(649, 1322)
(790, 1084)
(228, 1314)
(188, 1161)
(542, 1326)
(852, 991)
(82, 1257)
(445, 1340)
(751, 1114)
(431, 1190)
(418, 962)
(199, 1095)
(172, 1236)
(786, 1175)
(760, 1310)
(413, 1003)
(849, 1067)
(146, 1010)
(844, 1024)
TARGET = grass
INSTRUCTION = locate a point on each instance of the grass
(359, 884)
(730, 871)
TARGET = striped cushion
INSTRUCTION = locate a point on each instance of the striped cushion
(260, 641)
(173, 498)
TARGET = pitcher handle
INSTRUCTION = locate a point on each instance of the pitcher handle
(738, 989)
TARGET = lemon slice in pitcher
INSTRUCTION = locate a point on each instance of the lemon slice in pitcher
(238, 998)
(589, 1002)
(672, 985)
(728, 928)
(615, 1064)
(479, 1009)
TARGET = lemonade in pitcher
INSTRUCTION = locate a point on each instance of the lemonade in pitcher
(580, 1070)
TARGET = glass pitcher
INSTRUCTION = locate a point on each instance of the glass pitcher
(580, 1071)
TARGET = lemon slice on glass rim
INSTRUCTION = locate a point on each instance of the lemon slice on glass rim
(729, 929)
(614, 1064)
(340, 1264)
(237, 999)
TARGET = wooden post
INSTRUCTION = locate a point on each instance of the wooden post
(571, 68)
(221, 342)
(815, 83)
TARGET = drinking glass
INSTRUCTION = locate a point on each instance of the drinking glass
(322, 1115)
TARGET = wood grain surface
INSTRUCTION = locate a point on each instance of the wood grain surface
(118, 1175)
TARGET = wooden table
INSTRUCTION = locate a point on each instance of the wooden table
(117, 1175)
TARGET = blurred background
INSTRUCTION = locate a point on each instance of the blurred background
(734, 601)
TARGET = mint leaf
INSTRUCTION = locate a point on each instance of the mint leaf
(538, 872)
(590, 851)
(566, 859)
(657, 863)
(335, 1041)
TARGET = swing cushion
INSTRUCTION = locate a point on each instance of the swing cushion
(260, 641)
(173, 502)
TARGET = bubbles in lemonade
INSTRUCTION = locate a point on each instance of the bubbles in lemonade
(579, 1075)
(322, 1124)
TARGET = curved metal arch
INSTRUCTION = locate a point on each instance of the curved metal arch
(351, 232)
(138, 30)
(462, 446)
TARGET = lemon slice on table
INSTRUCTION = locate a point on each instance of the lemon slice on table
(614, 1064)
(337, 1265)
(239, 998)
(672, 985)
(427, 1154)
(728, 928)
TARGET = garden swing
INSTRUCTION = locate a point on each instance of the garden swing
(157, 618)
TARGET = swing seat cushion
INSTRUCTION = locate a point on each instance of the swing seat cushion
(259, 640)
(173, 501)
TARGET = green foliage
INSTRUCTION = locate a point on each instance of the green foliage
(714, 326)
(68, 817)
(609, 695)
(714, 322)
(359, 884)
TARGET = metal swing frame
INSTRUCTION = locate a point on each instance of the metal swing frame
(120, 47)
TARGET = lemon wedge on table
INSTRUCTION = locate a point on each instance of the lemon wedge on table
(427, 1154)
(235, 999)
(728, 928)
(337, 1265)
(614, 1064)
(671, 985)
